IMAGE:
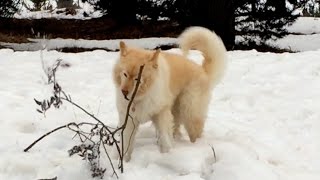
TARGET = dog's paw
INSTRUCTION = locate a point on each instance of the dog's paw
(177, 135)
(165, 144)
(164, 149)
(127, 158)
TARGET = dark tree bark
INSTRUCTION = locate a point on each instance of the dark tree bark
(280, 6)
(222, 20)
(64, 3)
(217, 15)
(124, 11)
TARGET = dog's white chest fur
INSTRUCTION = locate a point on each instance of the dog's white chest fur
(157, 97)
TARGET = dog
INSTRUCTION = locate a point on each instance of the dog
(173, 89)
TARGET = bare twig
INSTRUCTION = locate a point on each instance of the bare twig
(47, 134)
(105, 150)
(55, 178)
(214, 154)
(106, 134)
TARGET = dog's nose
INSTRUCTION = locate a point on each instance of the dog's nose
(125, 92)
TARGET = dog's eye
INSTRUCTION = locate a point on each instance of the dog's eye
(125, 75)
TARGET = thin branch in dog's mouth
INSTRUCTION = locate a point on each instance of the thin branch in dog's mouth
(126, 97)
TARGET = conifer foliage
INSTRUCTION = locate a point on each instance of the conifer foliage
(8, 7)
(260, 20)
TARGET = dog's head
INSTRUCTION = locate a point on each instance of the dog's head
(126, 70)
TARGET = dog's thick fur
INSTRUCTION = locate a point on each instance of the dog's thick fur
(173, 91)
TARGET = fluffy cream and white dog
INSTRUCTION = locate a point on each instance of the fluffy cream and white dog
(173, 90)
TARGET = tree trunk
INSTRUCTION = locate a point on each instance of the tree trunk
(218, 15)
(64, 3)
(280, 6)
(124, 11)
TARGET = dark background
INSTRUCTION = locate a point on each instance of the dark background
(254, 20)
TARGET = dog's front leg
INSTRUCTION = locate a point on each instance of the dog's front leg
(163, 122)
(129, 134)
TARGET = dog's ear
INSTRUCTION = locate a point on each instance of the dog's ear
(154, 58)
(123, 48)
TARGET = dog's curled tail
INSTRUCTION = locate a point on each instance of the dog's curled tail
(212, 47)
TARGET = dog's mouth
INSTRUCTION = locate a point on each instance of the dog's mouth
(129, 96)
(126, 97)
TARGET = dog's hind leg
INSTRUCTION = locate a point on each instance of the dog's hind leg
(193, 109)
(177, 121)
(194, 127)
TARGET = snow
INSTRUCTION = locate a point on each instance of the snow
(263, 120)
(305, 37)
(51, 44)
(305, 25)
(58, 14)
(50, 10)
(298, 42)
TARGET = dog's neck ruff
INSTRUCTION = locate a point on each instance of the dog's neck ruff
(158, 96)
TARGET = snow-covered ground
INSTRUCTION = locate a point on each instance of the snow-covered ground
(50, 10)
(307, 37)
(304, 36)
(263, 122)
(305, 25)
(112, 45)
(58, 14)
(299, 42)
